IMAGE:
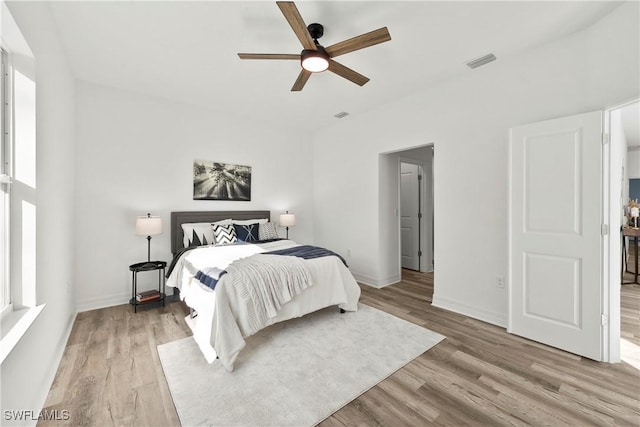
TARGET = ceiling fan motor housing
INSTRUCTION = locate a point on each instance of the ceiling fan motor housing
(315, 61)
(315, 30)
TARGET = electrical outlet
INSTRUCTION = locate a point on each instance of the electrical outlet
(500, 282)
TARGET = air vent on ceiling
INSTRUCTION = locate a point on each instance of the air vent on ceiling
(481, 61)
(341, 114)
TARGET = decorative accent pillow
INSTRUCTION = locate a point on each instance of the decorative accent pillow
(224, 233)
(197, 234)
(268, 231)
(247, 233)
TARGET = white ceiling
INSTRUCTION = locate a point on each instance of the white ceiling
(186, 51)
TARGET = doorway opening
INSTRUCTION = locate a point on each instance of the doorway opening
(406, 211)
(621, 169)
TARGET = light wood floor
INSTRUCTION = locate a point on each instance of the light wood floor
(479, 375)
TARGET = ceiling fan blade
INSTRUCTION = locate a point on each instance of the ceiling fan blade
(347, 73)
(301, 80)
(269, 56)
(290, 12)
(380, 35)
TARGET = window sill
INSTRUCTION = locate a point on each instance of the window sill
(14, 325)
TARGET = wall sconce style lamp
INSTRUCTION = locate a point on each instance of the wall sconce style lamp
(148, 226)
(287, 220)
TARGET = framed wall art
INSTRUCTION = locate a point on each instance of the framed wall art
(221, 181)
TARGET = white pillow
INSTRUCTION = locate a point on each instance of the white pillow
(203, 233)
(223, 222)
(250, 221)
(197, 234)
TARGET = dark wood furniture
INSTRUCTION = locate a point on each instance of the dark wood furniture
(631, 233)
(147, 266)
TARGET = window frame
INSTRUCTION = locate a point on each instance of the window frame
(6, 156)
(21, 310)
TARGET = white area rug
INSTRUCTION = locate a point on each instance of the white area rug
(295, 373)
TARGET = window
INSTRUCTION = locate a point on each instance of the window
(5, 295)
(18, 208)
(18, 226)
(18, 186)
(23, 189)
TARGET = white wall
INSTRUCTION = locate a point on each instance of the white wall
(135, 155)
(629, 126)
(633, 165)
(28, 371)
(468, 120)
(619, 178)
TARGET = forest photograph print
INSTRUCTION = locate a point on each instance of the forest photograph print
(221, 181)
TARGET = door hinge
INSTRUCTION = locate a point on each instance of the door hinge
(419, 177)
(605, 138)
(604, 319)
(419, 215)
(604, 229)
(419, 253)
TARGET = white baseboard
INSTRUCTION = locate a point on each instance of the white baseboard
(103, 302)
(498, 319)
(374, 282)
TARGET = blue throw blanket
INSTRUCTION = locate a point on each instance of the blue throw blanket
(307, 252)
(210, 277)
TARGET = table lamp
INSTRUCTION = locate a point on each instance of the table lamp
(287, 220)
(635, 212)
(148, 226)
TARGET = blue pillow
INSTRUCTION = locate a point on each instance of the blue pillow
(247, 233)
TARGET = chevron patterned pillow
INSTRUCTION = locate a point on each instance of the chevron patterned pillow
(224, 234)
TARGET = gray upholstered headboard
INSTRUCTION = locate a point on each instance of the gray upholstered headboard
(179, 218)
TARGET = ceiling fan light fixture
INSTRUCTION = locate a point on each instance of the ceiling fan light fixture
(314, 58)
(314, 61)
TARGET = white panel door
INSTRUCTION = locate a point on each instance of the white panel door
(409, 221)
(555, 233)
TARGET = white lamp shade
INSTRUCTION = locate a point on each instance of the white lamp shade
(287, 220)
(635, 212)
(148, 225)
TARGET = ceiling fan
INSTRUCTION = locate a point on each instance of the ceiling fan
(315, 58)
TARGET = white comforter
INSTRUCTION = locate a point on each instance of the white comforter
(222, 321)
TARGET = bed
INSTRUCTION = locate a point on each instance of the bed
(215, 279)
